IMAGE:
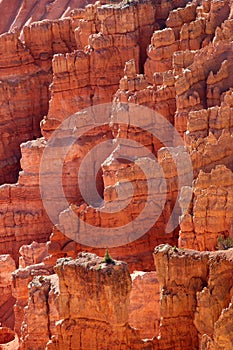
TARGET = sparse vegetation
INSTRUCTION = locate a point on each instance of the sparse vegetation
(224, 243)
(107, 258)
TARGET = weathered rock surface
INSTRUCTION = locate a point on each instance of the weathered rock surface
(222, 338)
(32, 254)
(210, 215)
(197, 86)
(8, 339)
(41, 313)
(20, 280)
(93, 305)
(25, 75)
(23, 218)
(194, 309)
(144, 308)
(110, 46)
(23, 101)
(94, 297)
(106, 37)
(7, 266)
(100, 35)
(174, 57)
(24, 12)
(135, 247)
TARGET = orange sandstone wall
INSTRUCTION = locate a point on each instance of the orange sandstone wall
(18, 13)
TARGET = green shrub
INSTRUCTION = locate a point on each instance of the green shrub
(107, 258)
(224, 243)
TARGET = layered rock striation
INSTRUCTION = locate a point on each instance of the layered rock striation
(93, 305)
(18, 14)
(174, 57)
(194, 309)
(7, 266)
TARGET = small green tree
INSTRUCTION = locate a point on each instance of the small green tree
(107, 258)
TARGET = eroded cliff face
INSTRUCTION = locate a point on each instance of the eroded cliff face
(105, 41)
(69, 312)
(8, 339)
(201, 227)
(7, 266)
(91, 303)
(194, 309)
(174, 57)
(17, 14)
(24, 101)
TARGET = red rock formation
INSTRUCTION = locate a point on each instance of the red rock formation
(222, 338)
(20, 280)
(188, 81)
(24, 101)
(214, 120)
(197, 86)
(118, 177)
(25, 75)
(144, 309)
(93, 305)
(17, 14)
(92, 73)
(194, 309)
(178, 295)
(23, 218)
(163, 45)
(8, 339)
(41, 313)
(7, 266)
(179, 52)
(53, 37)
(94, 297)
(48, 44)
(32, 254)
(210, 216)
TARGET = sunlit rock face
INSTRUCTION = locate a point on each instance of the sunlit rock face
(175, 58)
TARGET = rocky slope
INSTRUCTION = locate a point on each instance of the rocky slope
(174, 59)
(18, 13)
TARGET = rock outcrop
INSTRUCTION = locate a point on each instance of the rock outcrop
(93, 27)
(20, 281)
(195, 309)
(23, 218)
(24, 101)
(41, 313)
(144, 308)
(211, 216)
(7, 266)
(43, 40)
(135, 247)
(174, 57)
(106, 37)
(17, 15)
(8, 339)
(32, 254)
(93, 305)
